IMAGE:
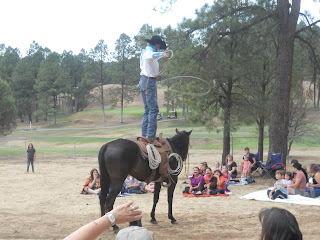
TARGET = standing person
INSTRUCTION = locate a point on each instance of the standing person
(31, 157)
(149, 71)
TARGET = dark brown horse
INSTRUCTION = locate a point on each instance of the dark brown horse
(121, 157)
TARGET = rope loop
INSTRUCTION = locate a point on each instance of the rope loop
(179, 168)
(153, 156)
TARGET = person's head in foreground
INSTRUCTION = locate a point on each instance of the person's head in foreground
(279, 224)
(135, 233)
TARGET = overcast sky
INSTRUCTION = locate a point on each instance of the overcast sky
(74, 24)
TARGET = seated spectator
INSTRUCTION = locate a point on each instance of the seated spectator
(232, 166)
(293, 161)
(225, 173)
(132, 185)
(92, 185)
(278, 224)
(246, 167)
(196, 182)
(299, 182)
(217, 184)
(313, 189)
(288, 178)
(217, 166)
(203, 167)
(207, 177)
(252, 159)
(280, 189)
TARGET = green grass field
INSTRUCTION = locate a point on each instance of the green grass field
(67, 142)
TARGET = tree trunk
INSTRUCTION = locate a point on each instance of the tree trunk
(261, 136)
(121, 111)
(279, 122)
(226, 133)
(318, 95)
(102, 105)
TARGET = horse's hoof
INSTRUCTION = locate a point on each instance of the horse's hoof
(116, 229)
(153, 221)
(174, 222)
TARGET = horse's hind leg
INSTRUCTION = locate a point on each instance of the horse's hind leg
(157, 188)
(115, 189)
(170, 200)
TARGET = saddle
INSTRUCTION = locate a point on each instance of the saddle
(164, 151)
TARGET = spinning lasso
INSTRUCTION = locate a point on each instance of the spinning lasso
(181, 77)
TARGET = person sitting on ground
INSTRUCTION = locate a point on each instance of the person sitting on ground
(203, 167)
(226, 173)
(232, 166)
(120, 214)
(196, 182)
(288, 178)
(278, 224)
(299, 182)
(313, 189)
(92, 185)
(246, 169)
(293, 161)
(132, 185)
(217, 166)
(252, 159)
(280, 189)
(207, 177)
(217, 184)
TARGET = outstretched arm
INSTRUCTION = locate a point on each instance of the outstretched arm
(123, 213)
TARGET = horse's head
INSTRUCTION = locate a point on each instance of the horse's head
(181, 143)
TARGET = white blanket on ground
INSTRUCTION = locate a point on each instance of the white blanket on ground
(295, 199)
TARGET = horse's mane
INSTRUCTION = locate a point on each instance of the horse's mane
(180, 143)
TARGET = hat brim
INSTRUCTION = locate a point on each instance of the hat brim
(162, 43)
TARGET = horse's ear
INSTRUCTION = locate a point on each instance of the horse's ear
(189, 132)
(177, 131)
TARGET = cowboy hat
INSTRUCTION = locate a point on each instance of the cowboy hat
(157, 39)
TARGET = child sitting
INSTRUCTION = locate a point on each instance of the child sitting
(225, 173)
(288, 178)
(217, 184)
(246, 167)
(216, 166)
(280, 189)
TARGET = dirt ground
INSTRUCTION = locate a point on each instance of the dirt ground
(47, 204)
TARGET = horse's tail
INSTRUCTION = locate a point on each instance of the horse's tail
(104, 179)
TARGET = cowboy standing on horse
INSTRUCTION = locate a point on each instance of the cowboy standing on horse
(149, 66)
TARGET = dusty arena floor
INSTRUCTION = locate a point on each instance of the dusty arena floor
(47, 204)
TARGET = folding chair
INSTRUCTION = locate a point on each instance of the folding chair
(257, 167)
(275, 163)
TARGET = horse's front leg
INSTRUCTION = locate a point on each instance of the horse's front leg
(157, 188)
(170, 200)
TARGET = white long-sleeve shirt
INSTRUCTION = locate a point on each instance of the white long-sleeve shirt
(149, 64)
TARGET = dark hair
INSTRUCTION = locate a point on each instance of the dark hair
(314, 168)
(297, 166)
(217, 170)
(31, 145)
(289, 174)
(246, 148)
(196, 168)
(206, 164)
(91, 173)
(213, 182)
(279, 224)
(281, 172)
(293, 161)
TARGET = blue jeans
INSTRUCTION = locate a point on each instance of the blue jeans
(148, 88)
(30, 161)
(135, 190)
